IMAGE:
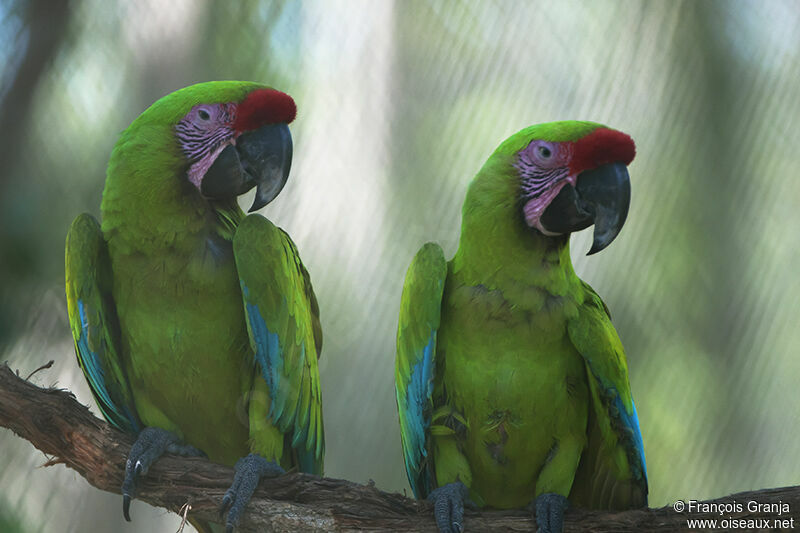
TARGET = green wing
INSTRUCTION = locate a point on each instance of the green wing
(612, 473)
(420, 314)
(285, 335)
(94, 324)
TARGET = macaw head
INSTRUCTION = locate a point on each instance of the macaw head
(222, 138)
(570, 175)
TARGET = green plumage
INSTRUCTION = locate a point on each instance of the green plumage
(162, 289)
(528, 375)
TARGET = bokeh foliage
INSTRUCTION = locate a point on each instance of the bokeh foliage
(400, 103)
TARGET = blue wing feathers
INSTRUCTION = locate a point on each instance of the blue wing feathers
(306, 460)
(279, 306)
(418, 394)
(268, 354)
(120, 418)
(270, 358)
(631, 423)
(415, 365)
(94, 323)
(92, 363)
(631, 435)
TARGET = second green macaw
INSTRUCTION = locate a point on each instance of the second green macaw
(512, 385)
(196, 326)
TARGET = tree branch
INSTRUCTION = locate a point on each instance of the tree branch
(53, 421)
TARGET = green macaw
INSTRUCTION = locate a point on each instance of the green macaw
(511, 381)
(196, 326)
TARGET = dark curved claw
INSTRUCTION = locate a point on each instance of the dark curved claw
(550, 509)
(448, 506)
(151, 443)
(249, 471)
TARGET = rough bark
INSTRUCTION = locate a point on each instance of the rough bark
(55, 423)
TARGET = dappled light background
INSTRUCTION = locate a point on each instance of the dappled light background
(399, 104)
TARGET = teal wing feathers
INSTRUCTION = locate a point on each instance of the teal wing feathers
(283, 325)
(420, 315)
(94, 324)
(612, 473)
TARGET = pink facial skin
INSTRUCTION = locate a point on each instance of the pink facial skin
(203, 133)
(544, 169)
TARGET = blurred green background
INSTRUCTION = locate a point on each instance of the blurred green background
(400, 103)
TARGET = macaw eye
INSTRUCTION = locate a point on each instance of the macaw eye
(544, 152)
(203, 114)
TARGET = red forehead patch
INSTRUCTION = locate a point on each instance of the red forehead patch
(264, 106)
(601, 147)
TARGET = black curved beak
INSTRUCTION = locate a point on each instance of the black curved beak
(260, 158)
(601, 197)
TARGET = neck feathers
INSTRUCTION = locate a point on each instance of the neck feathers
(149, 205)
(497, 248)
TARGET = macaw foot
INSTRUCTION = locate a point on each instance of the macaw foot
(249, 471)
(550, 509)
(149, 446)
(448, 506)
